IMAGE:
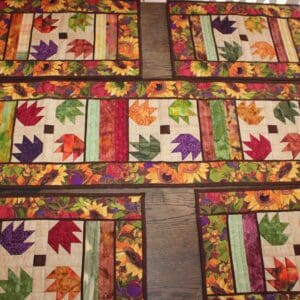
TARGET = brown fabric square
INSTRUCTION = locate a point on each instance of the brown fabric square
(243, 37)
(164, 129)
(272, 129)
(63, 35)
(39, 260)
(49, 129)
(297, 250)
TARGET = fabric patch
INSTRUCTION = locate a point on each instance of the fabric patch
(234, 40)
(83, 39)
(241, 226)
(92, 246)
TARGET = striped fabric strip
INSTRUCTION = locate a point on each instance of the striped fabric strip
(100, 37)
(241, 274)
(107, 130)
(294, 26)
(121, 131)
(111, 37)
(24, 36)
(13, 36)
(208, 38)
(198, 38)
(183, 48)
(253, 254)
(222, 150)
(113, 130)
(91, 261)
(206, 131)
(7, 114)
(287, 40)
(92, 131)
(234, 142)
(107, 260)
(274, 28)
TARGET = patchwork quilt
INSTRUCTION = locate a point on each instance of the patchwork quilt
(250, 244)
(235, 40)
(72, 247)
(69, 38)
(157, 132)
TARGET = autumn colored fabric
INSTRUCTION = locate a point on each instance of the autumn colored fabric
(235, 40)
(249, 243)
(148, 132)
(75, 247)
(69, 38)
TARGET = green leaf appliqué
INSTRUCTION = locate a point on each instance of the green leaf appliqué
(68, 109)
(272, 230)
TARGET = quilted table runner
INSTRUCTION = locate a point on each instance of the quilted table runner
(148, 132)
(46, 38)
(250, 244)
(72, 247)
(233, 40)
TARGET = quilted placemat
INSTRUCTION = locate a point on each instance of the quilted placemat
(148, 132)
(72, 247)
(44, 38)
(234, 40)
(249, 244)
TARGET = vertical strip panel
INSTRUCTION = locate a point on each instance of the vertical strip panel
(107, 130)
(274, 28)
(217, 254)
(208, 38)
(121, 131)
(7, 114)
(198, 38)
(287, 40)
(100, 36)
(206, 130)
(182, 37)
(234, 142)
(111, 36)
(91, 261)
(239, 259)
(253, 254)
(294, 26)
(13, 36)
(24, 36)
(222, 150)
(107, 258)
(92, 132)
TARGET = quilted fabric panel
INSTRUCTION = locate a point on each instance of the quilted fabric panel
(63, 39)
(249, 243)
(234, 40)
(75, 247)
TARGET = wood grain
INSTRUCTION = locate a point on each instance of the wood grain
(155, 42)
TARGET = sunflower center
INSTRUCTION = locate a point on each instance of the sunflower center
(239, 70)
(46, 67)
(166, 177)
(121, 65)
(159, 87)
(235, 88)
(284, 170)
(264, 198)
(118, 4)
(48, 177)
(94, 214)
(20, 90)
